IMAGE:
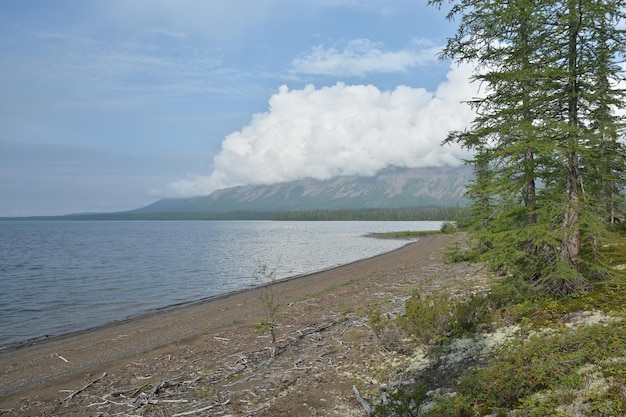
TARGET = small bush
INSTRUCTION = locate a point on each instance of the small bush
(387, 331)
(435, 319)
(428, 317)
(469, 314)
(455, 252)
(447, 228)
(405, 402)
(267, 277)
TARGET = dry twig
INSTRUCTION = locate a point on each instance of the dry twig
(78, 391)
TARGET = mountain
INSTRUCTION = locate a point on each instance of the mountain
(390, 188)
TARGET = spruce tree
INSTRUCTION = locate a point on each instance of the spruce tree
(546, 140)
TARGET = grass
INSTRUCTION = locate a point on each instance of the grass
(446, 228)
(404, 235)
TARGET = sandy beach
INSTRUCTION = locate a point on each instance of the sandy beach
(209, 355)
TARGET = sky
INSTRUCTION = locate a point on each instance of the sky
(111, 105)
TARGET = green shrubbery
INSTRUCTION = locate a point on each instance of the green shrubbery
(447, 228)
(550, 369)
(545, 374)
(387, 331)
(435, 319)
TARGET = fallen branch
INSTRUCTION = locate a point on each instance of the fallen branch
(221, 339)
(182, 400)
(361, 401)
(199, 410)
(267, 364)
(158, 387)
(193, 381)
(397, 384)
(105, 401)
(78, 391)
(316, 329)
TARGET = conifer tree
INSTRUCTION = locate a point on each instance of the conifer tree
(545, 132)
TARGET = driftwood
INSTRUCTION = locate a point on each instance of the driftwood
(78, 391)
(320, 347)
(221, 339)
(199, 410)
(316, 329)
(361, 401)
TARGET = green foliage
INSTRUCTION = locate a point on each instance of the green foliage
(518, 299)
(549, 163)
(428, 317)
(434, 213)
(447, 228)
(399, 214)
(470, 314)
(545, 363)
(404, 402)
(435, 319)
(387, 331)
(267, 278)
(560, 372)
(403, 235)
(613, 252)
(455, 252)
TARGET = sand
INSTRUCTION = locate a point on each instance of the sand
(214, 333)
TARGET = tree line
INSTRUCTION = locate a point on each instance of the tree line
(457, 214)
(397, 214)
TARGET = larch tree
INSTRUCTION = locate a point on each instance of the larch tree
(548, 146)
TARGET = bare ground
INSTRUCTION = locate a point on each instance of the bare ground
(209, 360)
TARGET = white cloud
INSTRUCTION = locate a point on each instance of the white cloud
(360, 57)
(341, 130)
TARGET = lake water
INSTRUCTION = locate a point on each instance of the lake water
(58, 277)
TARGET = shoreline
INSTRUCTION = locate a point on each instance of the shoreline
(172, 307)
(42, 370)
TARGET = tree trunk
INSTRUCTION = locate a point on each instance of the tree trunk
(530, 191)
(570, 247)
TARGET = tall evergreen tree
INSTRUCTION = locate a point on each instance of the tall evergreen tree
(545, 132)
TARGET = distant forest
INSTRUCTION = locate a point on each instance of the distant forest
(458, 214)
(399, 214)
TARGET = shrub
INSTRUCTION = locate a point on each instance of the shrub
(405, 402)
(268, 301)
(547, 364)
(447, 228)
(387, 331)
(435, 319)
(428, 317)
(469, 314)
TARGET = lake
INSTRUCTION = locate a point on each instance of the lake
(58, 277)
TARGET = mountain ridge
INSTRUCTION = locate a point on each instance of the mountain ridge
(390, 188)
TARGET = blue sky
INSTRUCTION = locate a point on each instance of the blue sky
(111, 105)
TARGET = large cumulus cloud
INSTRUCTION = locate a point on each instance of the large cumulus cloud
(342, 130)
